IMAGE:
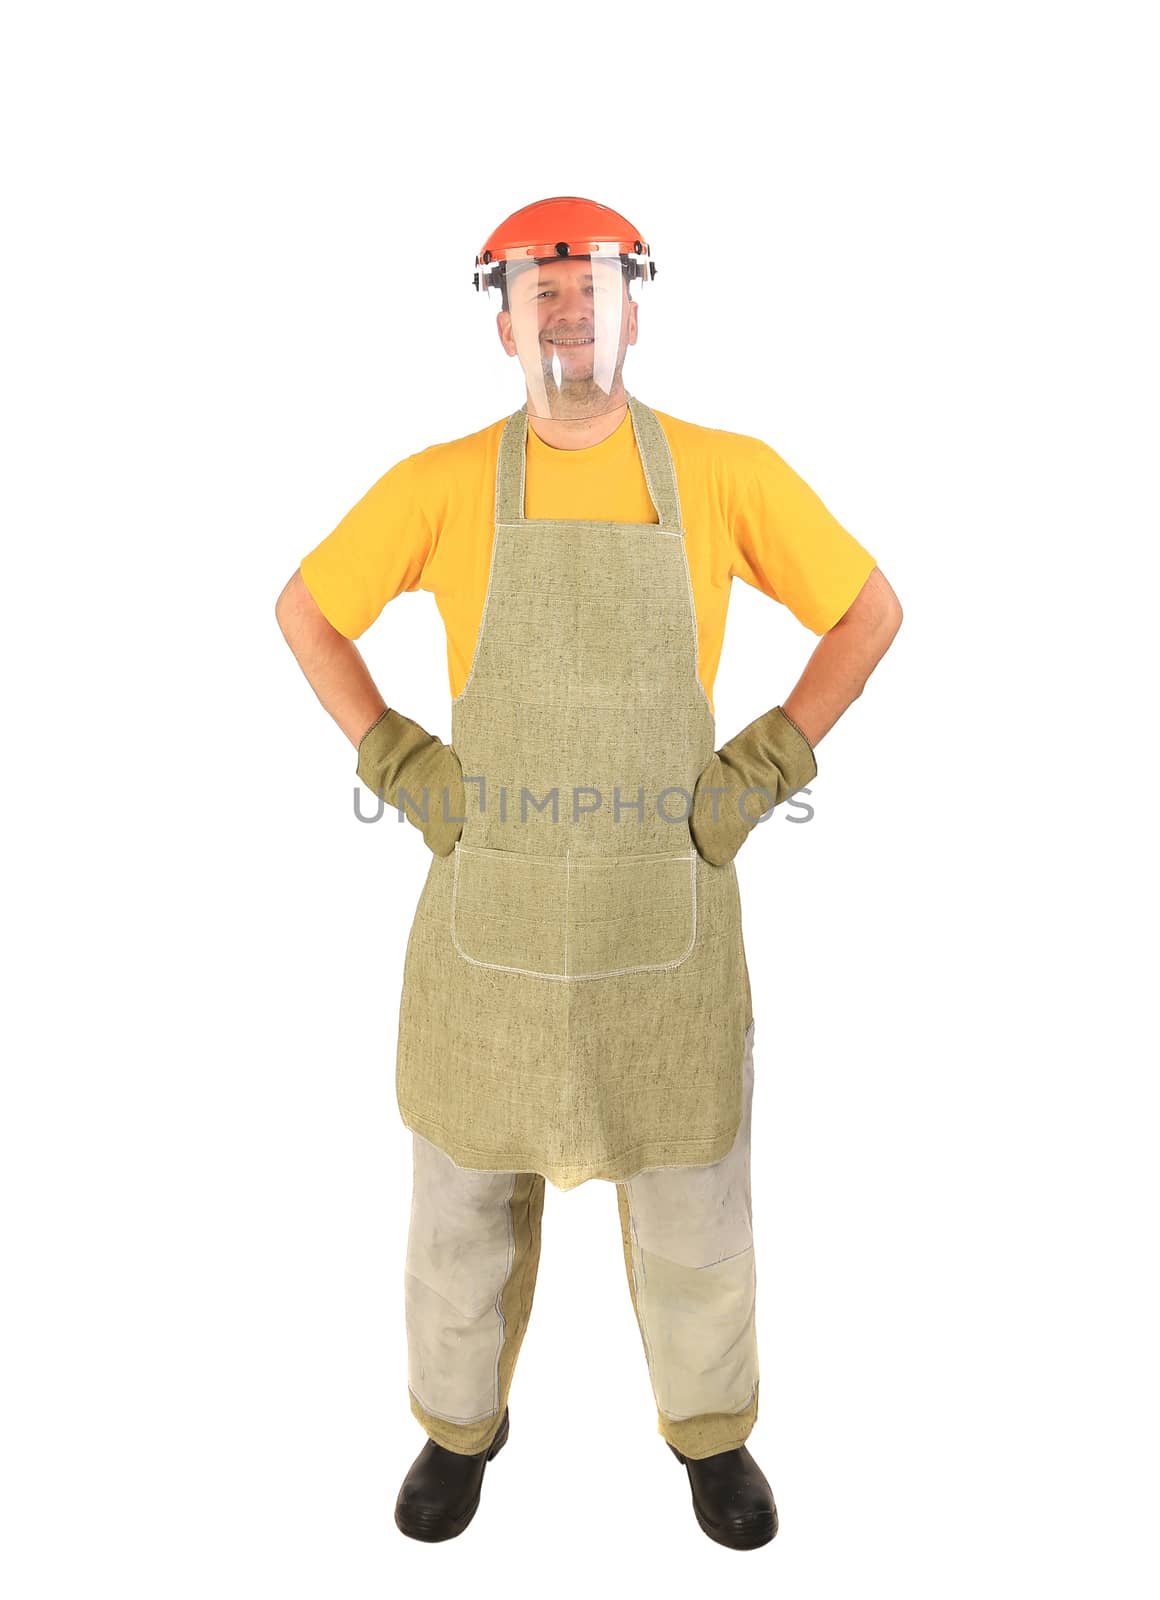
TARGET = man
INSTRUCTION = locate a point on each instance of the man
(576, 1002)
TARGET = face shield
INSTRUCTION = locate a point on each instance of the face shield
(569, 320)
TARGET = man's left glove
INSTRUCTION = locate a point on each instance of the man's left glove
(772, 756)
(396, 754)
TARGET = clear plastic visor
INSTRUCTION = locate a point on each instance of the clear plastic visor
(569, 321)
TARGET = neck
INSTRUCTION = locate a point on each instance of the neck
(579, 434)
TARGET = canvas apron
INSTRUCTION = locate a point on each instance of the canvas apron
(575, 992)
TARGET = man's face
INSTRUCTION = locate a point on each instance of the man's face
(570, 322)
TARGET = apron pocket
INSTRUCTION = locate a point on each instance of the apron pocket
(573, 917)
(507, 910)
(630, 913)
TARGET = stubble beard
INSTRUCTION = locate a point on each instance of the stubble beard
(581, 395)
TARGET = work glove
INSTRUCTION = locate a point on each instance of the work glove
(772, 755)
(396, 754)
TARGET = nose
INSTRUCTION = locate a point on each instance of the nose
(572, 304)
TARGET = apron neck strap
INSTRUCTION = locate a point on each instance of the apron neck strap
(655, 455)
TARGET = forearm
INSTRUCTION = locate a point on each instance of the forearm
(844, 658)
(331, 663)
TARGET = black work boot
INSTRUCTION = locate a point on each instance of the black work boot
(732, 1500)
(440, 1493)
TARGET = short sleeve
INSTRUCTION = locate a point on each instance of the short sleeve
(788, 545)
(379, 550)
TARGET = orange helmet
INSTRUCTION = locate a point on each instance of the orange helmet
(562, 226)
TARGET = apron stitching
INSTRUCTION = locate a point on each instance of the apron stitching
(572, 977)
(580, 1166)
(487, 596)
(659, 437)
(531, 855)
(688, 575)
(566, 976)
(652, 422)
(522, 503)
(639, 423)
(696, 641)
(672, 476)
(514, 700)
(512, 424)
(653, 528)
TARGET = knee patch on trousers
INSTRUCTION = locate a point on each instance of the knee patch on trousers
(460, 1253)
(691, 1240)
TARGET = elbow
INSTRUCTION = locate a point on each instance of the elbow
(282, 614)
(300, 617)
(288, 606)
(884, 610)
(886, 628)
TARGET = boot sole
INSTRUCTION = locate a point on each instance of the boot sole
(436, 1533)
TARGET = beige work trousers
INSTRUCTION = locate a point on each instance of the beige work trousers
(687, 1233)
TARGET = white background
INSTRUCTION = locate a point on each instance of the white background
(908, 246)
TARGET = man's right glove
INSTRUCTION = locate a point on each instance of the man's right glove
(771, 755)
(396, 754)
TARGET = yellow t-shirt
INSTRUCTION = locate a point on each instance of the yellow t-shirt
(429, 523)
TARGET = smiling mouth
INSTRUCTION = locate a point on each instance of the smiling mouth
(571, 341)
